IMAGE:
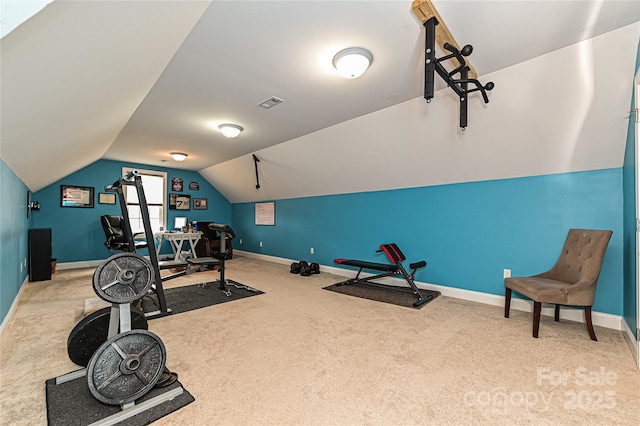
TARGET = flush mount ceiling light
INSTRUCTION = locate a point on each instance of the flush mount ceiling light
(230, 130)
(178, 156)
(352, 62)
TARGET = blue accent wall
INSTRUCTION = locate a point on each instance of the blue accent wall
(77, 234)
(14, 227)
(468, 232)
(630, 295)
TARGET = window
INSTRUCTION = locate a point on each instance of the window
(155, 188)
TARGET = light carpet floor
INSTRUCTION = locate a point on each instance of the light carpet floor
(300, 355)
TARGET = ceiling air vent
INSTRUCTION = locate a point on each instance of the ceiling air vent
(272, 101)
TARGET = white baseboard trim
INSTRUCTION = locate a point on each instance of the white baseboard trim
(80, 265)
(630, 338)
(268, 258)
(12, 310)
(571, 314)
(69, 265)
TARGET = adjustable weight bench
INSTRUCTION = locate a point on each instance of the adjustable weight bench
(226, 233)
(396, 256)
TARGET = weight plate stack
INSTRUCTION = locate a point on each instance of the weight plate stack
(93, 330)
(126, 367)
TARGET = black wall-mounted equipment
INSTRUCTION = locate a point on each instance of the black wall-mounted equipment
(459, 83)
(256, 160)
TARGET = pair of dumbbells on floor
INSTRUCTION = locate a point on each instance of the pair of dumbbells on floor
(304, 268)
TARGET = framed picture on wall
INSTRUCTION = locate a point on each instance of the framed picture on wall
(200, 204)
(179, 202)
(104, 198)
(76, 196)
(183, 202)
(177, 184)
(266, 213)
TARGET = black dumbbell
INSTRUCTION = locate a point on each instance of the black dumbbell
(315, 268)
(305, 269)
(295, 268)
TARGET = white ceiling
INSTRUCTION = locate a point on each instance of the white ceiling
(133, 81)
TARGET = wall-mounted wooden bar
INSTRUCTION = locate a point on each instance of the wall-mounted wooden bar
(425, 10)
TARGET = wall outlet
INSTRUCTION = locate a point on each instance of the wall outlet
(240, 240)
(20, 266)
(311, 250)
(506, 273)
(260, 243)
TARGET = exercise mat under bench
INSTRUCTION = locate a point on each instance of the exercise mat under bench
(197, 296)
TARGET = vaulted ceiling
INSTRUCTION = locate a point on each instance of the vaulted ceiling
(133, 81)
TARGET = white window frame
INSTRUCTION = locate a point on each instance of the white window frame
(165, 203)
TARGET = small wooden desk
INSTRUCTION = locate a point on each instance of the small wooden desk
(176, 239)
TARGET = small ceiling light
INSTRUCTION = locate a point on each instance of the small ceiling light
(178, 156)
(230, 130)
(352, 62)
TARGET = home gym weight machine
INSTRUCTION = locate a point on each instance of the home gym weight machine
(122, 360)
(133, 178)
(191, 265)
(127, 269)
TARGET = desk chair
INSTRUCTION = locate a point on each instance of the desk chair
(209, 244)
(115, 231)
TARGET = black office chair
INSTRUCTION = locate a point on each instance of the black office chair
(115, 230)
(209, 244)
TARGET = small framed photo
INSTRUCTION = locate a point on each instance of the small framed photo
(104, 198)
(200, 204)
(177, 184)
(76, 196)
(183, 202)
(179, 202)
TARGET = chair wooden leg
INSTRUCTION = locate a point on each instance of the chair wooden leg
(507, 302)
(592, 333)
(557, 315)
(537, 308)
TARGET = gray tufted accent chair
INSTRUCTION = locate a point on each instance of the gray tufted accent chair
(571, 281)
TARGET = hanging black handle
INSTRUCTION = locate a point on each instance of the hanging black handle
(479, 87)
(256, 160)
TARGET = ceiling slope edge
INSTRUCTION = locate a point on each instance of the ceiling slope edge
(63, 103)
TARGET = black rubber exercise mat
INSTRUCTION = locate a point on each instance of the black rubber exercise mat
(197, 296)
(72, 404)
(401, 296)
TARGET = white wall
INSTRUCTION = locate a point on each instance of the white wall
(49, 65)
(562, 112)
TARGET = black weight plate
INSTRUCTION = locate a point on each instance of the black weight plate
(123, 278)
(126, 367)
(93, 330)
